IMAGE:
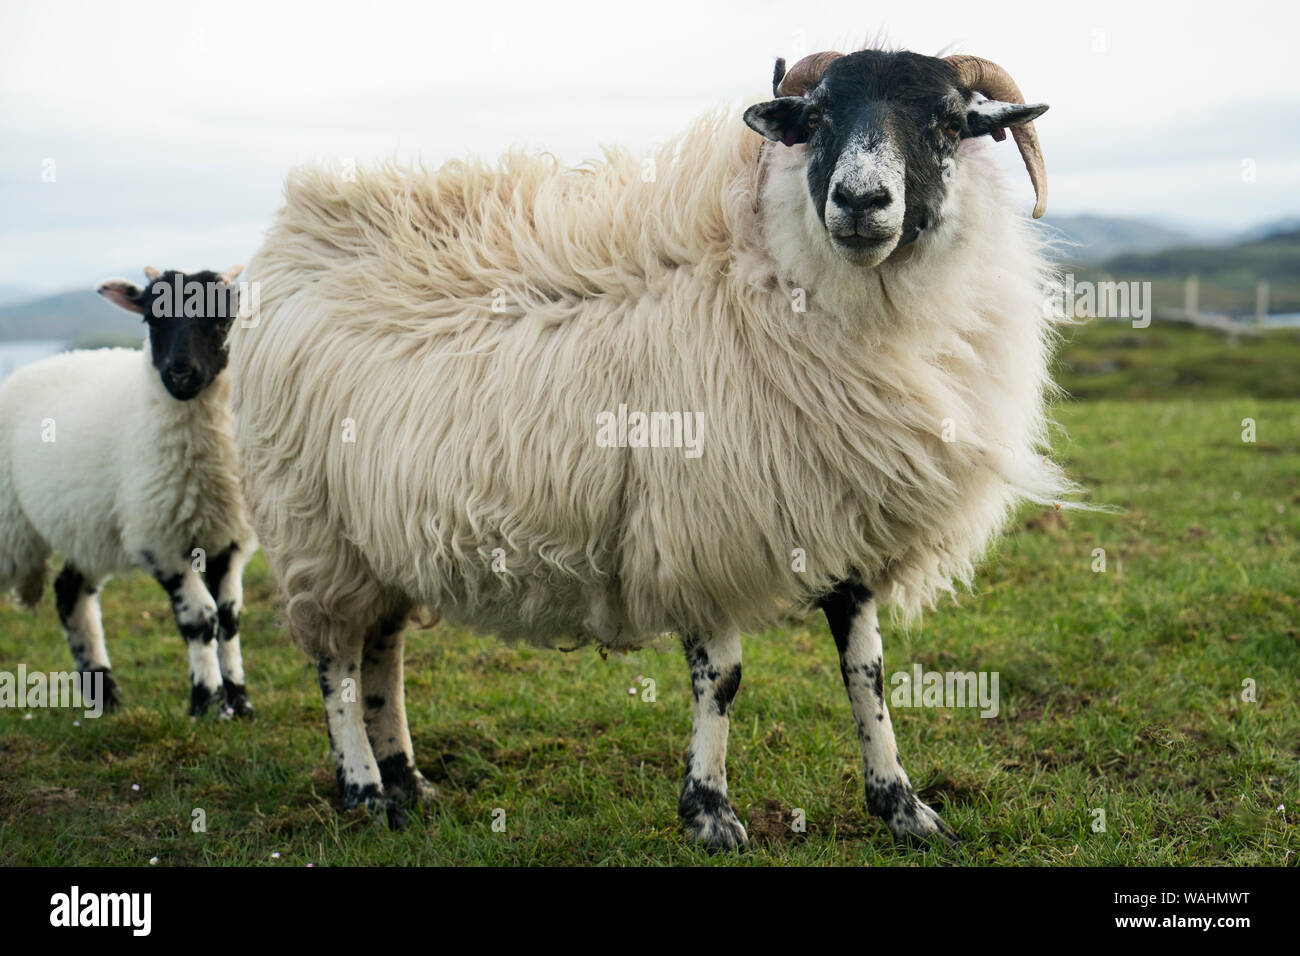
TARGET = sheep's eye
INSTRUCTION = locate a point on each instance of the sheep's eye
(952, 127)
(813, 119)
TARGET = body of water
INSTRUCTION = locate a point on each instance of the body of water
(14, 355)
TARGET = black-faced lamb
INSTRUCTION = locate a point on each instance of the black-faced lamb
(121, 459)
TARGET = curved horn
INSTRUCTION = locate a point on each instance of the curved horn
(985, 76)
(805, 74)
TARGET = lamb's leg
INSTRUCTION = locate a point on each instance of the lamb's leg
(225, 579)
(706, 812)
(355, 767)
(385, 713)
(76, 596)
(196, 616)
(851, 613)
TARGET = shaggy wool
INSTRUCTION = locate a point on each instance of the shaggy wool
(417, 403)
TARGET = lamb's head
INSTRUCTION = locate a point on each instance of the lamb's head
(880, 135)
(189, 315)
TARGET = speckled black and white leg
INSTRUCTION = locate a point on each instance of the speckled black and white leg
(385, 714)
(76, 597)
(196, 617)
(851, 613)
(225, 580)
(705, 810)
(355, 767)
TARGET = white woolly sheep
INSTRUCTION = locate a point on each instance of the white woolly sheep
(121, 459)
(432, 407)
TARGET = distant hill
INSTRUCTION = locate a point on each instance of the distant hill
(79, 318)
(1273, 258)
(11, 292)
(1098, 238)
(1227, 274)
(1270, 230)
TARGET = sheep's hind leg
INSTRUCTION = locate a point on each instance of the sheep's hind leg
(225, 580)
(355, 767)
(705, 810)
(385, 713)
(76, 596)
(851, 613)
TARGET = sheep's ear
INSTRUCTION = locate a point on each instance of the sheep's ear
(231, 274)
(151, 273)
(995, 117)
(124, 293)
(781, 120)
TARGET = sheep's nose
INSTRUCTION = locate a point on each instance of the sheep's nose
(185, 373)
(859, 202)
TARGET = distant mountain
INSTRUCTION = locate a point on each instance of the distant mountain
(79, 318)
(11, 292)
(1098, 238)
(1228, 273)
(1269, 230)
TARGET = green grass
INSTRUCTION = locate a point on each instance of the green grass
(1119, 690)
(1113, 360)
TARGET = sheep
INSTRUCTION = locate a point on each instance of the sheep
(432, 405)
(122, 459)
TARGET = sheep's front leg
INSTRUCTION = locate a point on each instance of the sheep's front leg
(196, 616)
(76, 597)
(706, 812)
(355, 768)
(225, 578)
(385, 714)
(851, 613)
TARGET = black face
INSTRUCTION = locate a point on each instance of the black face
(882, 132)
(189, 316)
(903, 103)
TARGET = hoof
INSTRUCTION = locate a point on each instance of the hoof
(920, 827)
(403, 783)
(373, 800)
(709, 818)
(112, 696)
(204, 699)
(237, 703)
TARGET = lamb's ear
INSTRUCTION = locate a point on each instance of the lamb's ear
(782, 120)
(231, 274)
(124, 293)
(151, 273)
(994, 116)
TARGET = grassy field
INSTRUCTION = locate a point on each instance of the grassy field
(1120, 691)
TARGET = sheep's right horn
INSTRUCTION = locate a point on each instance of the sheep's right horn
(985, 76)
(804, 75)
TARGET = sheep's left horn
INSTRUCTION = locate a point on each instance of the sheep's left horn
(985, 76)
(804, 75)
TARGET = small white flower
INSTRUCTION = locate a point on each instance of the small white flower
(153, 861)
(275, 855)
(135, 786)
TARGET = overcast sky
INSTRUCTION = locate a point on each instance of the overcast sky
(167, 127)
